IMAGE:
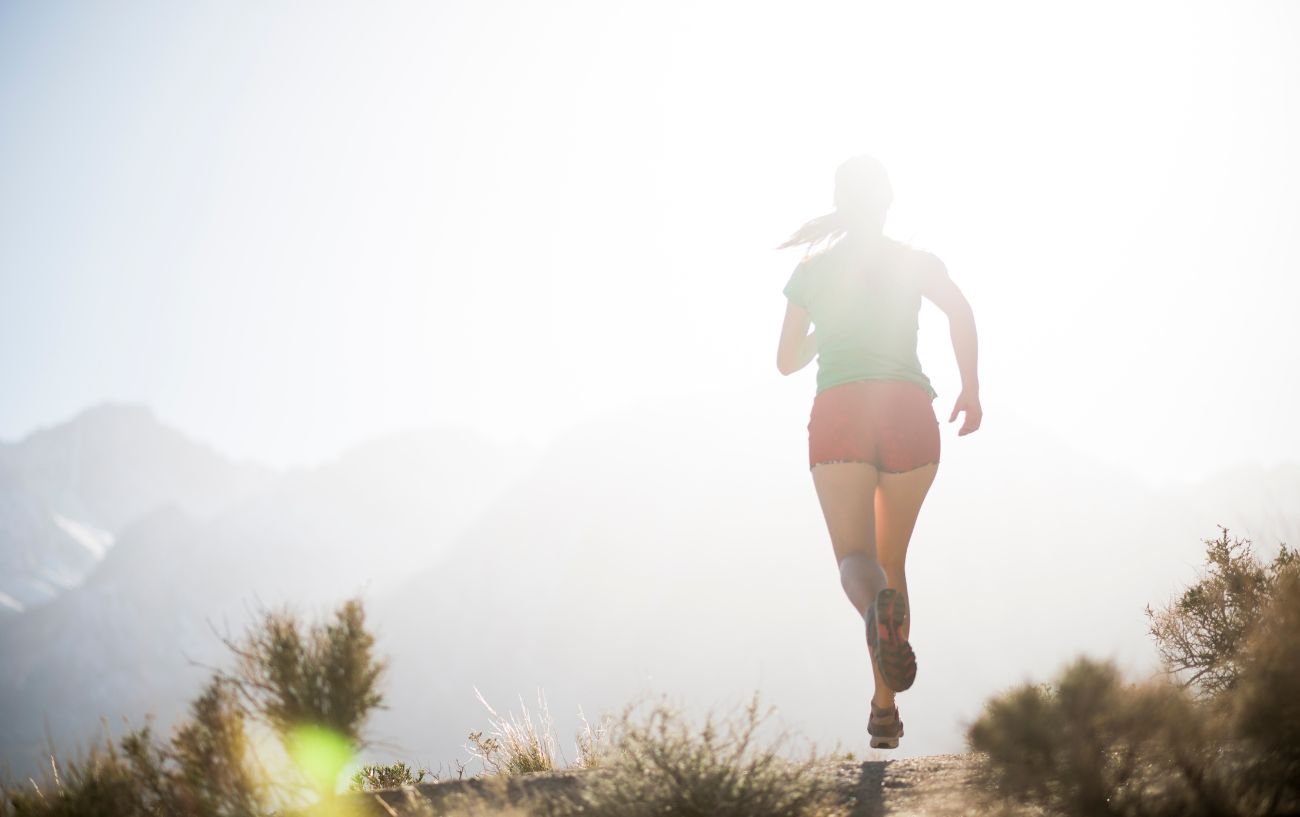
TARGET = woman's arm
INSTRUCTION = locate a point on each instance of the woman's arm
(798, 346)
(943, 293)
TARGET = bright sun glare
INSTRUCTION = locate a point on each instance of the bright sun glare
(425, 215)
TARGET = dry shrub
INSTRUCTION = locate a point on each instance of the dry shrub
(660, 766)
(102, 783)
(1201, 633)
(1223, 738)
(208, 767)
(209, 764)
(326, 676)
(205, 770)
(1089, 744)
(1267, 703)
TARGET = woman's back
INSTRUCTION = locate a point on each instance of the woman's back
(864, 297)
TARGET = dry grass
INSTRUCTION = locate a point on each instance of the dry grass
(515, 744)
(660, 765)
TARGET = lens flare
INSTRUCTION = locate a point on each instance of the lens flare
(321, 754)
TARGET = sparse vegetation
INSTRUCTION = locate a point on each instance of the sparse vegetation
(515, 744)
(592, 743)
(377, 777)
(1219, 736)
(327, 676)
(205, 770)
(1200, 634)
(1267, 706)
(659, 765)
(313, 688)
(652, 761)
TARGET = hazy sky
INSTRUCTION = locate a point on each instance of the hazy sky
(288, 227)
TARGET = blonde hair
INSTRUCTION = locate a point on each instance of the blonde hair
(862, 198)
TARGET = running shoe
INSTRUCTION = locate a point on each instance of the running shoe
(885, 727)
(893, 655)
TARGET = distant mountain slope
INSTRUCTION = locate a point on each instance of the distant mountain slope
(121, 643)
(68, 489)
(116, 461)
(96, 649)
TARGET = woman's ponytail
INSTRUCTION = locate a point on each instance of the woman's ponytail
(831, 226)
(862, 198)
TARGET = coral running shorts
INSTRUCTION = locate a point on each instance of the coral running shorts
(887, 423)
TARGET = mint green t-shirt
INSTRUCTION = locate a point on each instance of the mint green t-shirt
(864, 296)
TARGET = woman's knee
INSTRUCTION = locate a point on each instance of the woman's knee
(862, 578)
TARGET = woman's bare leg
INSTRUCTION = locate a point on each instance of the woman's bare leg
(898, 502)
(847, 493)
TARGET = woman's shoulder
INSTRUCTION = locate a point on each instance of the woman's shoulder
(880, 251)
(915, 259)
(814, 263)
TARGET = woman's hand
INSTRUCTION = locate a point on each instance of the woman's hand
(968, 402)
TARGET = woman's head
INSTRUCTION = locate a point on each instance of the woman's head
(862, 188)
(862, 198)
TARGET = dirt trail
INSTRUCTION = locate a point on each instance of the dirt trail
(932, 786)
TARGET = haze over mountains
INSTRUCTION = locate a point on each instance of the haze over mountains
(655, 551)
(66, 490)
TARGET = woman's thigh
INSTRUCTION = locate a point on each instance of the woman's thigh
(847, 491)
(897, 505)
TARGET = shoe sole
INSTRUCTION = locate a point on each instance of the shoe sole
(885, 743)
(894, 656)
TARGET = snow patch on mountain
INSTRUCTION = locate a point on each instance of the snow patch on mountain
(95, 540)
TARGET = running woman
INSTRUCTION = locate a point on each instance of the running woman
(873, 437)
